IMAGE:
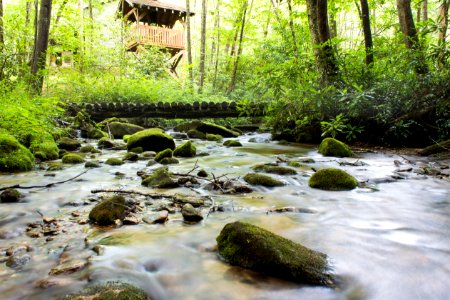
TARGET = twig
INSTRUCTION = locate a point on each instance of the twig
(18, 186)
(211, 208)
(119, 191)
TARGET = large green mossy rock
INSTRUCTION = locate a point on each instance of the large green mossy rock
(213, 137)
(153, 139)
(110, 291)
(332, 179)
(108, 211)
(260, 179)
(232, 143)
(195, 134)
(333, 147)
(205, 128)
(167, 153)
(44, 147)
(274, 169)
(14, 157)
(255, 248)
(443, 146)
(105, 143)
(118, 129)
(186, 150)
(112, 161)
(72, 158)
(68, 144)
(160, 179)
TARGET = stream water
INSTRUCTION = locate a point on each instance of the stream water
(390, 241)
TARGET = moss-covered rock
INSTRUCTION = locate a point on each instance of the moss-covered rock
(87, 149)
(191, 214)
(73, 159)
(333, 180)
(110, 291)
(96, 133)
(55, 166)
(153, 139)
(131, 156)
(195, 134)
(443, 146)
(213, 137)
(160, 179)
(202, 173)
(106, 212)
(333, 147)
(260, 179)
(10, 196)
(163, 154)
(169, 161)
(126, 137)
(43, 146)
(14, 157)
(105, 143)
(68, 144)
(112, 161)
(186, 150)
(255, 248)
(119, 129)
(232, 143)
(274, 169)
(62, 152)
(137, 150)
(205, 128)
(92, 164)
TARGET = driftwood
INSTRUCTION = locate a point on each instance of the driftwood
(48, 185)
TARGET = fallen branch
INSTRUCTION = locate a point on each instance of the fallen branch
(18, 186)
(120, 191)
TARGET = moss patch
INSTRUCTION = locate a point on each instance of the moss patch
(55, 166)
(274, 169)
(333, 180)
(195, 134)
(14, 156)
(119, 129)
(105, 143)
(164, 154)
(255, 248)
(131, 156)
(72, 159)
(214, 137)
(333, 147)
(153, 139)
(92, 164)
(106, 212)
(169, 161)
(232, 143)
(186, 150)
(260, 179)
(114, 161)
(160, 179)
(110, 291)
(68, 144)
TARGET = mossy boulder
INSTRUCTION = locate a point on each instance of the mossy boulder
(333, 147)
(255, 248)
(96, 133)
(260, 179)
(72, 158)
(186, 150)
(131, 156)
(126, 137)
(202, 173)
(232, 143)
(163, 154)
(205, 128)
(43, 146)
(105, 143)
(112, 161)
(14, 157)
(191, 214)
(87, 149)
(274, 169)
(169, 161)
(55, 166)
(68, 144)
(213, 137)
(137, 150)
(195, 134)
(92, 164)
(119, 129)
(153, 139)
(107, 211)
(160, 179)
(332, 179)
(10, 196)
(443, 146)
(110, 291)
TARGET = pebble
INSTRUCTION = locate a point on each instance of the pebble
(99, 249)
(190, 214)
(131, 220)
(18, 261)
(68, 267)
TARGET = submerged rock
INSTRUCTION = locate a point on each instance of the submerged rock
(260, 179)
(14, 156)
(131, 156)
(10, 196)
(214, 137)
(195, 134)
(255, 248)
(68, 144)
(232, 143)
(114, 161)
(186, 150)
(68, 267)
(333, 180)
(92, 164)
(72, 158)
(118, 129)
(163, 154)
(153, 139)
(169, 161)
(191, 214)
(109, 210)
(18, 261)
(105, 143)
(333, 147)
(274, 169)
(109, 291)
(160, 179)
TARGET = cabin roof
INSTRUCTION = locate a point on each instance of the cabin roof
(157, 4)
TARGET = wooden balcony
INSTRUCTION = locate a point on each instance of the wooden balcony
(156, 36)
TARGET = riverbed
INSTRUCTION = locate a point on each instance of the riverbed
(388, 239)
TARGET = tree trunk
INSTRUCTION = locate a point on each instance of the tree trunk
(442, 32)
(27, 13)
(202, 48)
(188, 44)
(424, 10)
(2, 38)
(237, 26)
(365, 20)
(216, 63)
(291, 25)
(410, 34)
(41, 44)
(320, 35)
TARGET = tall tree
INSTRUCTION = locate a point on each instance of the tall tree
(424, 10)
(368, 42)
(410, 34)
(2, 38)
(291, 25)
(442, 32)
(202, 48)
(217, 46)
(320, 35)
(188, 44)
(38, 62)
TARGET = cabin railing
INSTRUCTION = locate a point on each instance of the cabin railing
(158, 36)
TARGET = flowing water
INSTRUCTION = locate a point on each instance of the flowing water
(390, 241)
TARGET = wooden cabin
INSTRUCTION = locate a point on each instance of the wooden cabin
(153, 25)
